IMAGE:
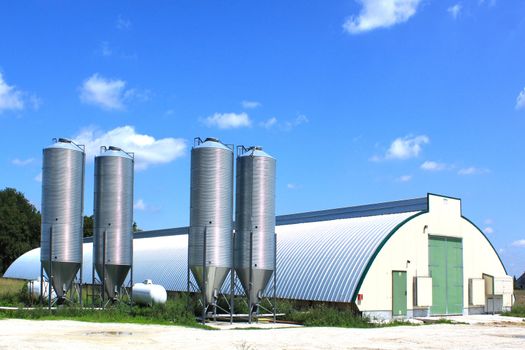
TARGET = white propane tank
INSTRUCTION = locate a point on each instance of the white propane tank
(147, 293)
(33, 288)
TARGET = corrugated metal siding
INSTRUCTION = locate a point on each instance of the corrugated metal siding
(321, 261)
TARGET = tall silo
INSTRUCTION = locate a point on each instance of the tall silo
(254, 245)
(62, 210)
(211, 210)
(113, 218)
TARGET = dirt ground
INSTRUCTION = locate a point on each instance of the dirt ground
(25, 334)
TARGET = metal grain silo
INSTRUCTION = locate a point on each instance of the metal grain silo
(62, 210)
(211, 209)
(254, 245)
(113, 217)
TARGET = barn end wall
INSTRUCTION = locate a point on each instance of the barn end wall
(407, 250)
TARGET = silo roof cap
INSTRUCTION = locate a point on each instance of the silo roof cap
(64, 143)
(256, 151)
(113, 151)
(212, 142)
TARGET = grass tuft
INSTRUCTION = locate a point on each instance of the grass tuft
(174, 312)
(517, 311)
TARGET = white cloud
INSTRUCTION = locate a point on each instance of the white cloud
(123, 23)
(35, 101)
(472, 171)
(148, 150)
(292, 186)
(488, 221)
(488, 230)
(105, 49)
(139, 205)
(520, 100)
(404, 148)
(105, 93)
(268, 124)
(404, 178)
(519, 243)
(38, 178)
(380, 14)
(250, 104)
(286, 125)
(455, 10)
(433, 166)
(10, 97)
(299, 120)
(228, 120)
(22, 162)
(488, 2)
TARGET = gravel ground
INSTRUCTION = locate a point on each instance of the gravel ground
(25, 334)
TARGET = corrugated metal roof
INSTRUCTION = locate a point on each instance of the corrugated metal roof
(320, 261)
(324, 261)
(401, 206)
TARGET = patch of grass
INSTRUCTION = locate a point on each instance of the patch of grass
(327, 316)
(519, 294)
(13, 292)
(324, 316)
(174, 312)
(517, 311)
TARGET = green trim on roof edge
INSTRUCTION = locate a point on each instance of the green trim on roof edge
(484, 235)
(371, 261)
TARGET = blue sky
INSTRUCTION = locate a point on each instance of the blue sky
(361, 101)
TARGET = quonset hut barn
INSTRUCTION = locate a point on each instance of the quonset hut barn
(408, 258)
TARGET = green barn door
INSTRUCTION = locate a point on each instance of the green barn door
(446, 270)
(438, 272)
(399, 293)
(454, 276)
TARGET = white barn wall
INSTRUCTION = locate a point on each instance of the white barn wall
(410, 243)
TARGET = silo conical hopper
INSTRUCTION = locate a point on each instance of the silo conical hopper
(254, 245)
(62, 210)
(211, 211)
(113, 217)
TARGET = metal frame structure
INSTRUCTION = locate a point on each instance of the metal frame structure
(102, 281)
(247, 296)
(194, 288)
(76, 284)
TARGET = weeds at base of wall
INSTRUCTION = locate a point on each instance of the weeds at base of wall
(174, 312)
(323, 315)
(517, 311)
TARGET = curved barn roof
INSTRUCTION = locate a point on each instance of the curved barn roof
(319, 260)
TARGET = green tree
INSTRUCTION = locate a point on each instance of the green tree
(88, 226)
(135, 227)
(19, 226)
